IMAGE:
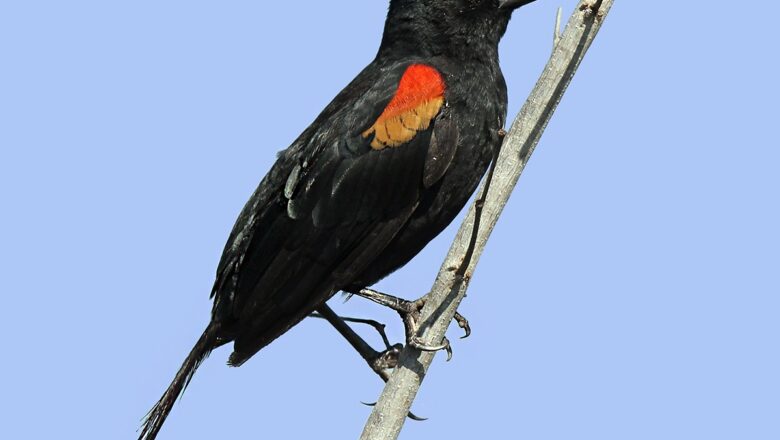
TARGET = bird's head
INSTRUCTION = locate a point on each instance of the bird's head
(438, 27)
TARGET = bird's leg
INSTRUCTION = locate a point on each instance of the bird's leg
(380, 362)
(410, 313)
(378, 326)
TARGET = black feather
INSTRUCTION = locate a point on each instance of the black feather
(159, 412)
(333, 212)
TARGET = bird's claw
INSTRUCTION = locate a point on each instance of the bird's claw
(464, 324)
(409, 414)
(386, 360)
(415, 342)
(410, 314)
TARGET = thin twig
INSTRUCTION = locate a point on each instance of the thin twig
(389, 414)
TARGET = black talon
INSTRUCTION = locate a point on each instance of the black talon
(448, 349)
(464, 324)
(416, 418)
(410, 313)
(416, 343)
(410, 414)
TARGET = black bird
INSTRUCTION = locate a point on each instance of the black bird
(383, 169)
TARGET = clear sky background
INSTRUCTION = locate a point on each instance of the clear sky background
(630, 290)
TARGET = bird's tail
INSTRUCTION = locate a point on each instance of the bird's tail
(157, 415)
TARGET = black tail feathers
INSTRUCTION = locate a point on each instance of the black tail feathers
(157, 415)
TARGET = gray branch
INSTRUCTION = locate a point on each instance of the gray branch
(389, 414)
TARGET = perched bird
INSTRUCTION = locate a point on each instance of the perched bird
(383, 169)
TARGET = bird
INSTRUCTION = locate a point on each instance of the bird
(382, 170)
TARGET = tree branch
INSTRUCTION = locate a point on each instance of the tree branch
(389, 414)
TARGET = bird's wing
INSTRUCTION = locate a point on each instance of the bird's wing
(334, 200)
(374, 159)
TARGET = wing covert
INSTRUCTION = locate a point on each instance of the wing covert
(418, 99)
(362, 173)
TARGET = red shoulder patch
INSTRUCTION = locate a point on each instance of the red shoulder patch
(417, 101)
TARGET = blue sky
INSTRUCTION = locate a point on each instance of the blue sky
(630, 291)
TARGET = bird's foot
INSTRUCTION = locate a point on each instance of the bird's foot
(383, 362)
(410, 314)
(379, 361)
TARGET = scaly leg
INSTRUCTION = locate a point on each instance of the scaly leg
(380, 362)
(410, 313)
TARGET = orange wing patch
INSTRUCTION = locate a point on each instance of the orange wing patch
(417, 101)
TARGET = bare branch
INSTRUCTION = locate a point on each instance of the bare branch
(390, 412)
